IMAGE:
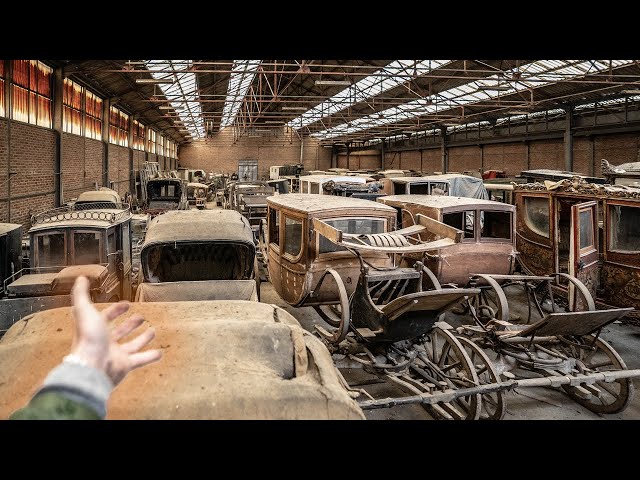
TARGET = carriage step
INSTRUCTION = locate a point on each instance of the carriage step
(396, 274)
(365, 332)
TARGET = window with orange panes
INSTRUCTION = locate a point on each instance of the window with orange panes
(138, 136)
(93, 116)
(31, 92)
(71, 107)
(151, 141)
(161, 145)
(118, 127)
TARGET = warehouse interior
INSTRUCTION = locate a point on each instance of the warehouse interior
(70, 125)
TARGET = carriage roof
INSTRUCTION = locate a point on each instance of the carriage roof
(579, 187)
(221, 360)
(335, 178)
(99, 196)
(316, 203)
(69, 216)
(444, 202)
(198, 226)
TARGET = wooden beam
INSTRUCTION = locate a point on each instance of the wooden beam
(327, 231)
(441, 229)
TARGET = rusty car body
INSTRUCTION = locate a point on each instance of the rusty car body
(198, 255)
(65, 243)
(164, 194)
(225, 360)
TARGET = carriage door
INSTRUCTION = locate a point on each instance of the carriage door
(247, 170)
(126, 261)
(583, 247)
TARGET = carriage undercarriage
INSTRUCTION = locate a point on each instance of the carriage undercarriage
(392, 329)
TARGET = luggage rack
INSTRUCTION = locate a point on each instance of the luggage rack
(88, 211)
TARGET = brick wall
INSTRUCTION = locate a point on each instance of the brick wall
(583, 156)
(220, 154)
(617, 149)
(547, 154)
(119, 168)
(32, 158)
(81, 165)
(365, 159)
(410, 160)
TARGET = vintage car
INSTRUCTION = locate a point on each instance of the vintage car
(453, 184)
(224, 360)
(107, 197)
(197, 194)
(66, 243)
(217, 183)
(500, 192)
(235, 192)
(165, 194)
(315, 183)
(586, 230)
(488, 245)
(198, 255)
(280, 186)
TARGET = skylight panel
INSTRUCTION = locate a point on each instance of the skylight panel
(242, 74)
(536, 74)
(394, 74)
(182, 94)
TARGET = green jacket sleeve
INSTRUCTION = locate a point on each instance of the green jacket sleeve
(71, 391)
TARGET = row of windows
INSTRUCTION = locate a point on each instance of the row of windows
(82, 112)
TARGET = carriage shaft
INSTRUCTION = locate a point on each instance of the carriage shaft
(449, 395)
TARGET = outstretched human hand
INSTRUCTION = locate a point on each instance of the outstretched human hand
(97, 345)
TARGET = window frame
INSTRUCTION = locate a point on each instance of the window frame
(344, 253)
(35, 260)
(283, 230)
(72, 244)
(36, 93)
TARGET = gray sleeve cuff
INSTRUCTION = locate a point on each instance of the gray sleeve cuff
(80, 383)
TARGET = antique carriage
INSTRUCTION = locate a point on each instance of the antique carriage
(164, 194)
(225, 359)
(453, 184)
(586, 230)
(339, 255)
(199, 255)
(488, 245)
(65, 243)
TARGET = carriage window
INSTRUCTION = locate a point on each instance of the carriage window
(51, 250)
(536, 215)
(586, 229)
(86, 248)
(496, 225)
(314, 188)
(304, 187)
(274, 226)
(462, 221)
(362, 226)
(292, 236)
(420, 188)
(624, 228)
(400, 188)
(438, 188)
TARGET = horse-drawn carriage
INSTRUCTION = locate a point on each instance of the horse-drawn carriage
(345, 258)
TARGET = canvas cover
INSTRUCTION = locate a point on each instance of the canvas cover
(193, 291)
(221, 360)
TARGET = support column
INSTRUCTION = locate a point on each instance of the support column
(528, 154)
(592, 163)
(568, 140)
(445, 152)
(481, 159)
(8, 68)
(132, 176)
(106, 110)
(58, 90)
(382, 154)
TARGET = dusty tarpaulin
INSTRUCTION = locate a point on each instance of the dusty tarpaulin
(203, 290)
(222, 360)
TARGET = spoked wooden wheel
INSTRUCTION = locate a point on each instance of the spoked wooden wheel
(491, 303)
(599, 397)
(445, 364)
(493, 404)
(338, 315)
